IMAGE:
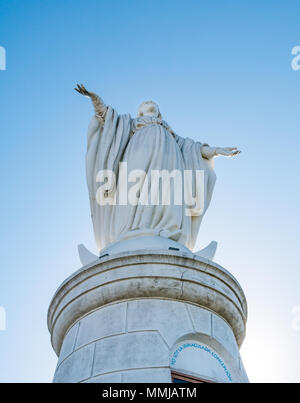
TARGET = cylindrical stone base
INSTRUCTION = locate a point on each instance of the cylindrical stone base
(149, 316)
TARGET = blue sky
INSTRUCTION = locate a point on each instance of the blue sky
(221, 73)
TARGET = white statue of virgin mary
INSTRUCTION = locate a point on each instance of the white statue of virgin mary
(146, 144)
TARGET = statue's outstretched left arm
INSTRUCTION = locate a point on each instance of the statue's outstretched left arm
(210, 152)
(99, 106)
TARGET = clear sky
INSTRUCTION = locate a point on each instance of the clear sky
(221, 73)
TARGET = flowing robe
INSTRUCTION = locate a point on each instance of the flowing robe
(145, 143)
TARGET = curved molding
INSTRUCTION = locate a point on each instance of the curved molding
(147, 274)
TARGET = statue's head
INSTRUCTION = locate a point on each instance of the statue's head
(149, 108)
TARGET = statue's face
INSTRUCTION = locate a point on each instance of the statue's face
(148, 108)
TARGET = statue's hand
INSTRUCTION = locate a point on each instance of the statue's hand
(99, 106)
(83, 91)
(227, 151)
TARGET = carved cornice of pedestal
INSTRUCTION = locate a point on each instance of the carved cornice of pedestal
(147, 274)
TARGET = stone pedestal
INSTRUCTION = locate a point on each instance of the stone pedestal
(136, 316)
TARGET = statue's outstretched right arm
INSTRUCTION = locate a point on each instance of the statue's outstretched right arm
(99, 106)
(210, 152)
